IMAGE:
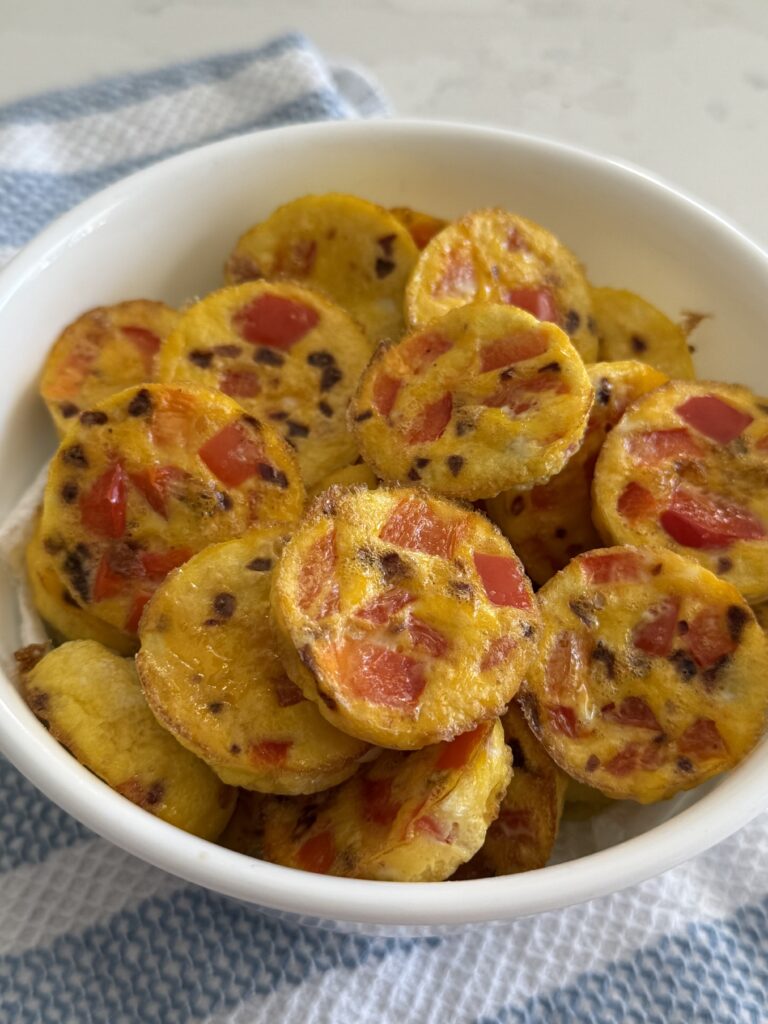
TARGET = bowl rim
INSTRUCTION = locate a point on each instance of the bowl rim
(735, 801)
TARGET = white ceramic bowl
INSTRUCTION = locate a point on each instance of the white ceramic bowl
(164, 234)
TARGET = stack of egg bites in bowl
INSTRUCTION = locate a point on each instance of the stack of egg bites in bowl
(370, 561)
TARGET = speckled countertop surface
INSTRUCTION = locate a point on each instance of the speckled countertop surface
(678, 86)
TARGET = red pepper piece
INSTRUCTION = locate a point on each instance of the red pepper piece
(415, 526)
(714, 418)
(233, 454)
(271, 752)
(503, 581)
(147, 342)
(458, 278)
(565, 663)
(422, 350)
(612, 567)
(427, 638)
(431, 422)
(698, 521)
(317, 854)
(456, 754)
(497, 653)
(539, 302)
(274, 320)
(562, 719)
(385, 392)
(383, 607)
(709, 638)
(240, 384)
(103, 507)
(380, 675)
(702, 741)
(378, 805)
(632, 711)
(654, 634)
(317, 579)
(157, 564)
(134, 615)
(514, 824)
(650, 447)
(514, 349)
(108, 582)
(521, 394)
(635, 503)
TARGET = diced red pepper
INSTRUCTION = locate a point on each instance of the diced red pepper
(655, 632)
(514, 824)
(414, 525)
(702, 741)
(103, 507)
(442, 831)
(497, 653)
(632, 711)
(762, 444)
(714, 418)
(613, 567)
(520, 394)
(635, 503)
(430, 423)
(156, 484)
(385, 392)
(296, 258)
(565, 663)
(513, 349)
(240, 384)
(275, 320)
(383, 607)
(456, 754)
(107, 582)
(271, 752)
(709, 638)
(147, 342)
(317, 853)
(427, 638)
(134, 615)
(422, 350)
(157, 564)
(651, 447)
(698, 521)
(71, 373)
(539, 302)
(380, 675)
(318, 577)
(175, 419)
(562, 719)
(503, 580)
(233, 454)
(458, 278)
(378, 805)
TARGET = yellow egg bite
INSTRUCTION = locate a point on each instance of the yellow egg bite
(286, 355)
(149, 477)
(524, 833)
(403, 818)
(104, 351)
(550, 523)
(355, 252)
(211, 674)
(483, 399)
(652, 673)
(359, 473)
(422, 227)
(90, 700)
(628, 327)
(406, 617)
(493, 255)
(62, 615)
(686, 468)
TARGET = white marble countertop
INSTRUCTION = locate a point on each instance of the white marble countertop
(678, 86)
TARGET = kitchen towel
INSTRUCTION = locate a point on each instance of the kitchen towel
(90, 934)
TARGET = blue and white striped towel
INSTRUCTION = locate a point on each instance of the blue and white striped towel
(90, 934)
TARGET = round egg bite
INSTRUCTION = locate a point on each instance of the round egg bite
(550, 523)
(104, 351)
(359, 473)
(652, 673)
(149, 477)
(422, 227)
(90, 700)
(353, 251)
(403, 818)
(211, 674)
(484, 399)
(62, 615)
(286, 355)
(628, 327)
(493, 255)
(407, 618)
(687, 468)
(523, 835)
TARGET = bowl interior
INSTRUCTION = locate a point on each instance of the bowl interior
(165, 233)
